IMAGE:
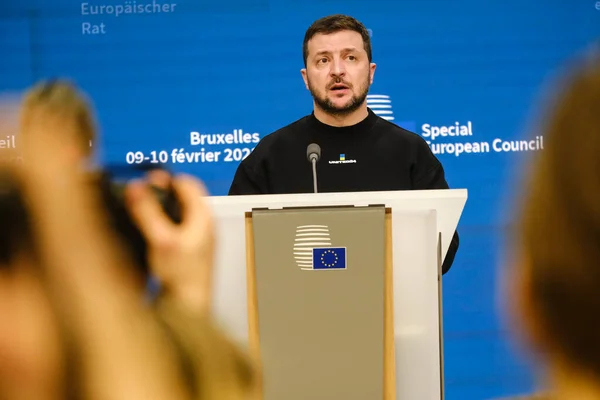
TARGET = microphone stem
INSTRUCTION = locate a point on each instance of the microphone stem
(314, 168)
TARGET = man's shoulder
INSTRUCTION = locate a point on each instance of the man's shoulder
(281, 136)
(274, 140)
(285, 132)
(396, 132)
(407, 143)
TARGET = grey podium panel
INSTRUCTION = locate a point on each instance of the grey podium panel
(320, 294)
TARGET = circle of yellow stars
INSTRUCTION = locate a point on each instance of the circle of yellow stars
(331, 264)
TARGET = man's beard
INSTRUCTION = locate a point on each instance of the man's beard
(325, 104)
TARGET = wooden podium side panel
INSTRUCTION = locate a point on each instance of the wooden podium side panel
(253, 333)
(389, 359)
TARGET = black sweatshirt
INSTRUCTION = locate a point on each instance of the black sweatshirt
(373, 155)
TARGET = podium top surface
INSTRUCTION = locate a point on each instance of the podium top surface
(409, 199)
(448, 204)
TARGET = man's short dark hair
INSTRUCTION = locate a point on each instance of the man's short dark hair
(336, 23)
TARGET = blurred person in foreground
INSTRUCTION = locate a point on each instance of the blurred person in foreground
(189, 280)
(552, 287)
(73, 323)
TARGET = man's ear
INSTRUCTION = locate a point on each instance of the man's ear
(372, 68)
(304, 77)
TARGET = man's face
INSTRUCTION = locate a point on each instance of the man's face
(338, 73)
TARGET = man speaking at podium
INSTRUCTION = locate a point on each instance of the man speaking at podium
(350, 148)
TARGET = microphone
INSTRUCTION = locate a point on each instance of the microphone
(313, 153)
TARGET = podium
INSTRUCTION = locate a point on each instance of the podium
(337, 295)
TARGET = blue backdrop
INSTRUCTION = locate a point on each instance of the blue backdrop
(180, 76)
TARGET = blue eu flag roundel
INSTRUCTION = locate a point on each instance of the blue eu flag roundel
(329, 258)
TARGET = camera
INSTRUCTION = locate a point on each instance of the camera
(16, 230)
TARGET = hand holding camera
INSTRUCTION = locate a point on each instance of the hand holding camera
(181, 254)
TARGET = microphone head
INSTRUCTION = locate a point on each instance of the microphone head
(313, 151)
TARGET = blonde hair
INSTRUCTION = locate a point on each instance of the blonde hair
(61, 97)
(559, 232)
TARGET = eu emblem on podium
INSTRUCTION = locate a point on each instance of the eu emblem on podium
(325, 258)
